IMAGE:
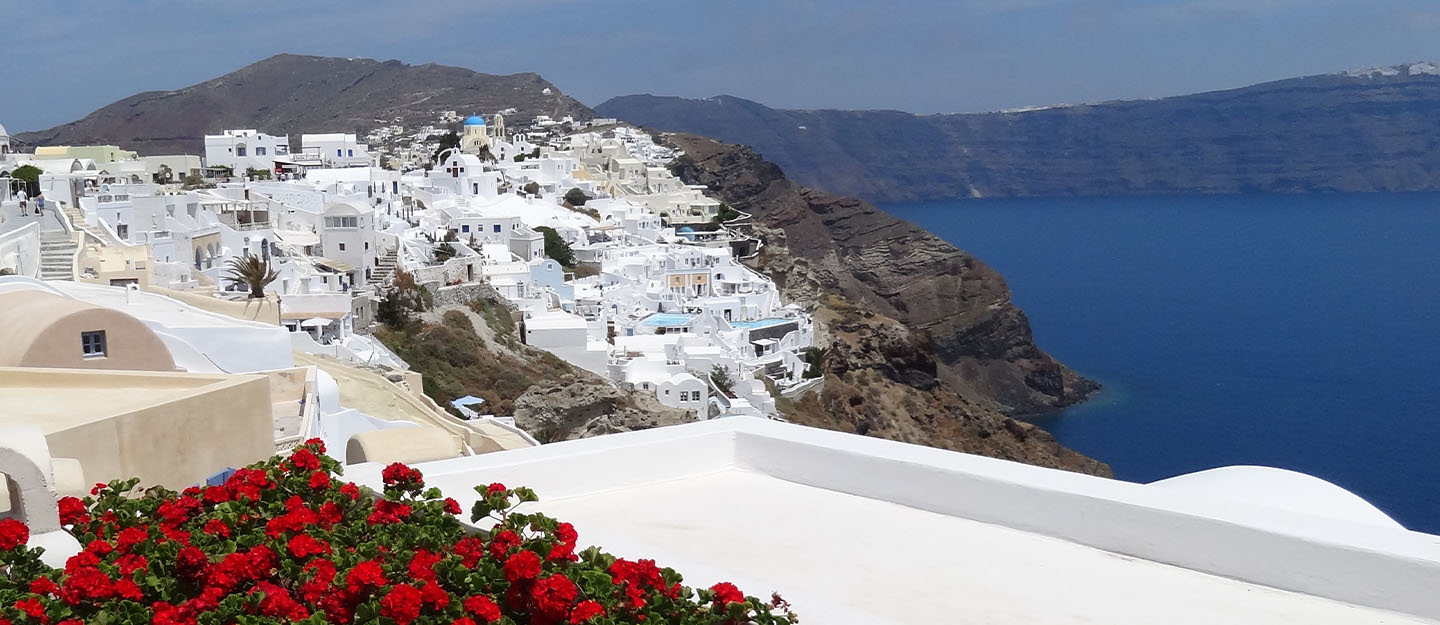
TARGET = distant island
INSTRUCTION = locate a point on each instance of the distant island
(1359, 131)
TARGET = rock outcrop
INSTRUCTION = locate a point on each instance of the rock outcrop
(469, 345)
(924, 345)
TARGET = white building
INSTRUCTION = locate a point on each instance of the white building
(338, 149)
(245, 149)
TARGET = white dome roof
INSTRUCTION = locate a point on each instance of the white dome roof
(1280, 488)
(4, 134)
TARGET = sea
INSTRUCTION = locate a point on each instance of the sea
(1292, 331)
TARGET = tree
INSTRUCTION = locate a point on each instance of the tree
(444, 251)
(193, 181)
(448, 141)
(251, 271)
(726, 214)
(164, 175)
(30, 174)
(532, 188)
(720, 377)
(401, 300)
(257, 174)
(576, 197)
(556, 247)
(818, 359)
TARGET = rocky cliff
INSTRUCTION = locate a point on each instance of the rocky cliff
(923, 342)
(289, 93)
(1363, 131)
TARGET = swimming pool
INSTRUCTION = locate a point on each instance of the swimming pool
(759, 323)
(665, 320)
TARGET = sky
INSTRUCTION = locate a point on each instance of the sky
(66, 58)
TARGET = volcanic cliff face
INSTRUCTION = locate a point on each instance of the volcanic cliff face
(1362, 131)
(924, 343)
(289, 93)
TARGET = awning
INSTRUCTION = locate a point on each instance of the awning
(316, 322)
(332, 264)
(297, 237)
(313, 314)
(468, 400)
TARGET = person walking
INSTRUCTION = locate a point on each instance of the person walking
(39, 203)
(24, 208)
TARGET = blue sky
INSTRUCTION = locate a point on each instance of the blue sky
(68, 57)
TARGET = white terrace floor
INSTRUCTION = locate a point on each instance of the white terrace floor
(846, 559)
(814, 515)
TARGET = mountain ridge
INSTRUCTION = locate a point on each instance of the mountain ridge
(305, 93)
(1362, 130)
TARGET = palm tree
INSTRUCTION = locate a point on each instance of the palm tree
(253, 272)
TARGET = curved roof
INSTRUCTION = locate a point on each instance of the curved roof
(3, 134)
(1279, 488)
(41, 329)
(474, 120)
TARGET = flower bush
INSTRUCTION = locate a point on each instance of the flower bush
(284, 541)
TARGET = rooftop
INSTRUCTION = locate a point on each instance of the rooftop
(854, 529)
(74, 397)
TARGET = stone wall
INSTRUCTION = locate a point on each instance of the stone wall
(462, 294)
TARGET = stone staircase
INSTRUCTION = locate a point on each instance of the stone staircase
(57, 256)
(384, 269)
(77, 219)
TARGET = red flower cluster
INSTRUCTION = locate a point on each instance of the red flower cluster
(283, 541)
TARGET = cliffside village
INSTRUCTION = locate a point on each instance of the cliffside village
(124, 280)
(127, 350)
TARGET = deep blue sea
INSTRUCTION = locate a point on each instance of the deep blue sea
(1293, 331)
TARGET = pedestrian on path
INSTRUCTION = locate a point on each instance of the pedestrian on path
(39, 203)
(24, 208)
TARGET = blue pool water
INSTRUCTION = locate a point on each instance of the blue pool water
(1290, 331)
(758, 323)
(667, 320)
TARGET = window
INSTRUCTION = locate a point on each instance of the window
(342, 247)
(367, 245)
(497, 227)
(339, 152)
(351, 152)
(282, 149)
(92, 344)
(259, 151)
(239, 150)
(464, 228)
(342, 222)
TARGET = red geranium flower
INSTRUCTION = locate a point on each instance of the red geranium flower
(502, 543)
(303, 546)
(452, 506)
(495, 489)
(216, 527)
(401, 605)
(522, 565)
(585, 611)
(72, 511)
(44, 586)
(554, 595)
(387, 512)
(726, 592)
(483, 607)
(398, 474)
(33, 608)
(13, 534)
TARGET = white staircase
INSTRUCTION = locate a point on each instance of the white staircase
(384, 269)
(57, 256)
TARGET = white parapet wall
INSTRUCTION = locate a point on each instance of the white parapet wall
(1385, 568)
